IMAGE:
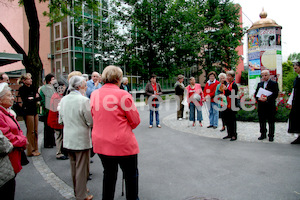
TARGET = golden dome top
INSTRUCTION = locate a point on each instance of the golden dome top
(264, 22)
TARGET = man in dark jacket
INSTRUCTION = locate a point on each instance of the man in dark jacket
(266, 105)
(179, 91)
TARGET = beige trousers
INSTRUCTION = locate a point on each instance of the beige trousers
(31, 122)
(80, 161)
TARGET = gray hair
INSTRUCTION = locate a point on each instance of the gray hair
(231, 73)
(4, 89)
(85, 76)
(222, 75)
(75, 82)
(124, 79)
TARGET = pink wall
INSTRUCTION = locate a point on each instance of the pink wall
(240, 50)
(14, 19)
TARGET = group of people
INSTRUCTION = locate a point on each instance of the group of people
(80, 113)
(222, 101)
(195, 98)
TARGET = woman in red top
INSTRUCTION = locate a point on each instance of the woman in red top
(195, 99)
(53, 118)
(153, 90)
(11, 129)
(209, 93)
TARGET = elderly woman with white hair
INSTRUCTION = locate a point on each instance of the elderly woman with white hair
(124, 84)
(220, 93)
(75, 114)
(11, 129)
(115, 116)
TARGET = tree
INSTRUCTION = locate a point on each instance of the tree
(162, 38)
(223, 34)
(294, 57)
(169, 37)
(58, 9)
(288, 76)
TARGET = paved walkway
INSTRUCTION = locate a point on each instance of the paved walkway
(57, 173)
(247, 131)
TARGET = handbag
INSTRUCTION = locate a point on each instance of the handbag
(24, 160)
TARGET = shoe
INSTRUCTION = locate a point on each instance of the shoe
(271, 139)
(158, 126)
(223, 129)
(200, 124)
(226, 137)
(180, 119)
(89, 178)
(90, 197)
(233, 139)
(62, 158)
(262, 137)
(210, 126)
(297, 141)
(36, 153)
(91, 161)
(150, 126)
(215, 127)
(193, 124)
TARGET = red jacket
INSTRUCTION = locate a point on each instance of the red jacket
(52, 120)
(11, 129)
(210, 89)
(114, 117)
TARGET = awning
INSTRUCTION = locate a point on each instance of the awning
(8, 58)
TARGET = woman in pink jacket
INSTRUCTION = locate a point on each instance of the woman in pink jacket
(115, 116)
(195, 100)
(11, 129)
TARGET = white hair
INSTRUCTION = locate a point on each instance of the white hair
(222, 75)
(75, 82)
(124, 79)
(85, 76)
(265, 71)
(4, 89)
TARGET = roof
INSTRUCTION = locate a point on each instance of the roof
(8, 58)
(264, 22)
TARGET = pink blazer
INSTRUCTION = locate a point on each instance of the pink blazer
(198, 90)
(114, 118)
(11, 129)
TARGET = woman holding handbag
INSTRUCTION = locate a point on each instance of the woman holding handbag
(195, 99)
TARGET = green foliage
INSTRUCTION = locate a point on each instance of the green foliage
(60, 9)
(244, 77)
(169, 37)
(294, 57)
(288, 76)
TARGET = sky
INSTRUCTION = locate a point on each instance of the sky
(285, 14)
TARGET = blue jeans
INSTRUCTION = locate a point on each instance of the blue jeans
(192, 112)
(213, 114)
(152, 108)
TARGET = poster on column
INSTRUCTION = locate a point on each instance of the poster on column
(254, 71)
(268, 60)
(253, 40)
(267, 38)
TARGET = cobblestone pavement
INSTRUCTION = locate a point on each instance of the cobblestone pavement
(247, 131)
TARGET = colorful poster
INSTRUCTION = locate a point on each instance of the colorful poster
(278, 36)
(253, 40)
(254, 65)
(267, 38)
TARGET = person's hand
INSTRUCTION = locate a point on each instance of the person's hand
(289, 106)
(263, 98)
(96, 83)
(37, 95)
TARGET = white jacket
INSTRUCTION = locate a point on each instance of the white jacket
(75, 114)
